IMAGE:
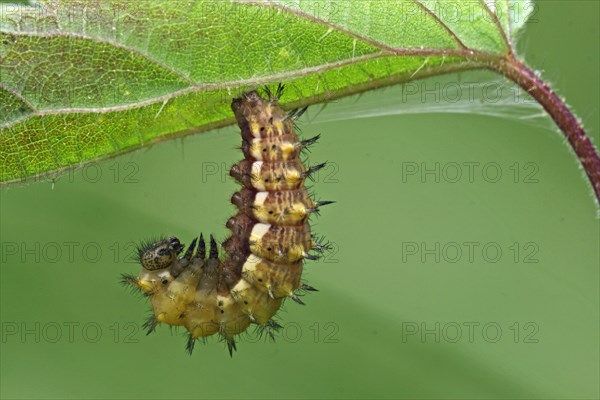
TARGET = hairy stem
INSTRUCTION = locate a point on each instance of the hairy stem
(560, 113)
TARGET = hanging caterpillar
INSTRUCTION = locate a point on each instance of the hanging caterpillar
(270, 238)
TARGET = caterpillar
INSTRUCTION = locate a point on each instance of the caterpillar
(270, 238)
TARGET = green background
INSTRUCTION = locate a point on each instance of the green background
(353, 339)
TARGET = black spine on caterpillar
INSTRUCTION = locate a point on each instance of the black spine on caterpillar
(270, 238)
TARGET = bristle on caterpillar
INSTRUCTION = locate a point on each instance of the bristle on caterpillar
(209, 294)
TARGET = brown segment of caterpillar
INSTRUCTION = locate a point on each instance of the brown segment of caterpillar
(209, 294)
(278, 148)
(291, 207)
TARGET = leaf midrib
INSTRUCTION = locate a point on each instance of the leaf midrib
(195, 88)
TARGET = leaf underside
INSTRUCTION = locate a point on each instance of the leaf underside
(84, 80)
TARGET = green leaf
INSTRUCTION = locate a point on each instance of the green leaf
(84, 80)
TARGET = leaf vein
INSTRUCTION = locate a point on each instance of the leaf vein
(496, 21)
(114, 43)
(442, 24)
(462, 52)
(17, 95)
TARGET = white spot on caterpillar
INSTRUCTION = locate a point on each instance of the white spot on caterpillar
(225, 301)
(251, 262)
(241, 286)
(257, 182)
(260, 198)
(258, 231)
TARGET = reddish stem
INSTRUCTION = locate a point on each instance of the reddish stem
(560, 113)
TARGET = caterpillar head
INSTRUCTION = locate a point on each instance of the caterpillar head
(159, 255)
